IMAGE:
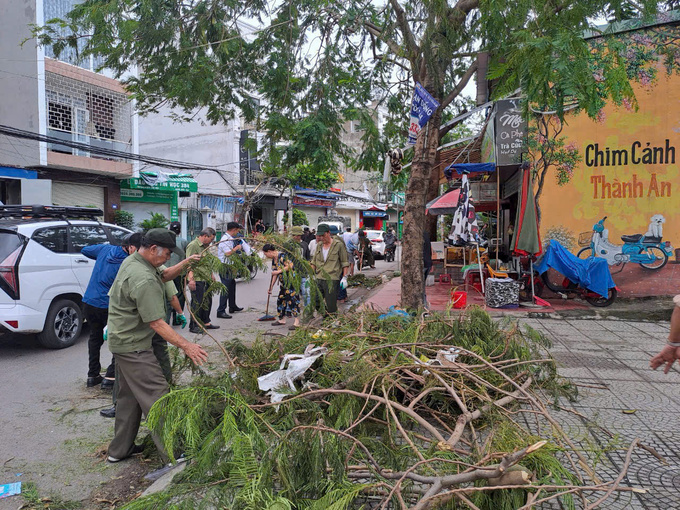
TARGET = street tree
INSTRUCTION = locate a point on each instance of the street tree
(313, 64)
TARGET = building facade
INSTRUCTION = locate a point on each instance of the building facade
(65, 100)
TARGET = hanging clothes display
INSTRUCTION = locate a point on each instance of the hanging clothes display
(464, 226)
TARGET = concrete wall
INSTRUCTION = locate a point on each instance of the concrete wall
(195, 142)
(19, 70)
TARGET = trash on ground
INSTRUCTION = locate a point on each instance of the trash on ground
(10, 489)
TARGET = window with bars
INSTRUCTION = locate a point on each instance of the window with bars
(87, 111)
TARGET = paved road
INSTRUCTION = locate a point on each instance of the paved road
(50, 428)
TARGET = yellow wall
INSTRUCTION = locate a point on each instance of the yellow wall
(580, 203)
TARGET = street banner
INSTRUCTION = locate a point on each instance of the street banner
(422, 108)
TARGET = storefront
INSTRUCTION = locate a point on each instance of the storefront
(374, 219)
(151, 193)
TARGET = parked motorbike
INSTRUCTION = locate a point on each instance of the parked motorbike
(389, 252)
(565, 274)
(647, 249)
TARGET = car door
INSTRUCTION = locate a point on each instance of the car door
(79, 237)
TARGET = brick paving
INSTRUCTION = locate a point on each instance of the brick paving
(609, 360)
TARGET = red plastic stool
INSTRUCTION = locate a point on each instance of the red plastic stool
(444, 278)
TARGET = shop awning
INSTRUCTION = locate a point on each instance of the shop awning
(161, 182)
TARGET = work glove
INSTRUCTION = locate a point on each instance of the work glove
(343, 283)
(106, 333)
(181, 320)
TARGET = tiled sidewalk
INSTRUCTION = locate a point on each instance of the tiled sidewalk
(609, 360)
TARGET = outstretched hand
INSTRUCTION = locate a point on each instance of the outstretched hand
(668, 355)
(196, 353)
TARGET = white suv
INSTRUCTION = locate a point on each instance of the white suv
(43, 275)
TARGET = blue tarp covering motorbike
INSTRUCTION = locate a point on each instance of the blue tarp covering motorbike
(591, 273)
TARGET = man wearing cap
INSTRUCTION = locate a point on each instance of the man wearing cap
(137, 311)
(198, 281)
(96, 301)
(227, 247)
(330, 265)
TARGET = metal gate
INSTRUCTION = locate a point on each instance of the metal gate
(194, 223)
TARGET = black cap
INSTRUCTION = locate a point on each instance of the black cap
(175, 226)
(132, 239)
(164, 238)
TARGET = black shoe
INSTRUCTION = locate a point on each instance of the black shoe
(223, 315)
(235, 309)
(94, 381)
(138, 448)
(212, 326)
(196, 331)
(108, 413)
(107, 384)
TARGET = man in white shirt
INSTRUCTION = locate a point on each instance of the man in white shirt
(225, 249)
(351, 243)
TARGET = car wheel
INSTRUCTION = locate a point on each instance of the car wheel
(63, 325)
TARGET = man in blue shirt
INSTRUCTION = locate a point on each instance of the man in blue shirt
(96, 301)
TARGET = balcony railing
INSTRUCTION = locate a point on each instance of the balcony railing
(92, 141)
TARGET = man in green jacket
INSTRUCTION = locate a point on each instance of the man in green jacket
(330, 264)
(198, 281)
(137, 311)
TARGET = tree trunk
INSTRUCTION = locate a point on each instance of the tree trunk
(425, 155)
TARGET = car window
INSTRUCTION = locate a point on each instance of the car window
(374, 235)
(117, 234)
(86, 235)
(52, 238)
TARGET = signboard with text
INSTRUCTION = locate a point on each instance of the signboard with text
(422, 108)
(511, 130)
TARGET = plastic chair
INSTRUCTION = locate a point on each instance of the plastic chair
(495, 274)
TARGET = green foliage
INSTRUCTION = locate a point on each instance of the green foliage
(299, 218)
(34, 501)
(313, 68)
(246, 455)
(157, 220)
(124, 218)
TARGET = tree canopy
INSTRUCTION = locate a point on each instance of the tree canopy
(311, 65)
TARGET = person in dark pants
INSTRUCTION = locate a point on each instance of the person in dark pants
(198, 282)
(176, 258)
(136, 312)
(228, 246)
(330, 264)
(96, 302)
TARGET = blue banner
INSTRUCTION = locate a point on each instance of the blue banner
(422, 108)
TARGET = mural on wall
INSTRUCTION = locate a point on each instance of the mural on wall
(626, 168)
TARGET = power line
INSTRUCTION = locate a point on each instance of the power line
(112, 153)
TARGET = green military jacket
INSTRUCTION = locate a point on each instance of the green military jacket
(334, 263)
(196, 248)
(137, 298)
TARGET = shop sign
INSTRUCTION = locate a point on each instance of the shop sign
(374, 214)
(147, 195)
(169, 185)
(511, 129)
(313, 203)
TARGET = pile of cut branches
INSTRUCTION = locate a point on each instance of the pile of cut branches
(430, 412)
(361, 280)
